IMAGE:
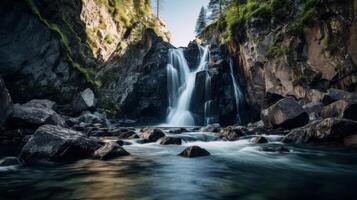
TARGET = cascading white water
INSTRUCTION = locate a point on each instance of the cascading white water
(238, 94)
(181, 83)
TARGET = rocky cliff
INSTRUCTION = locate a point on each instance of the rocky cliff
(55, 49)
(296, 48)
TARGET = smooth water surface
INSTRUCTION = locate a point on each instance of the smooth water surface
(235, 170)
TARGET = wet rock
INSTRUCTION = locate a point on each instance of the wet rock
(56, 143)
(171, 140)
(9, 161)
(341, 109)
(259, 140)
(323, 131)
(350, 141)
(279, 149)
(40, 103)
(84, 101)
(211, 128)
(286, 113)
(134, 136)
(153, 135)
(33, 117)
(176, 130)
(110, 150)
(231, 133)
(5, 103)
(122, 143)
(127, 135)
(194, 151)
(333, 95)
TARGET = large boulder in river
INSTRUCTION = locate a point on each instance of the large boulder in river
(171, 140)
(333, 95)
(321, 131)
(341, 109)
(40, 103)
(153, 135)
(286, 113)
(231, 133)
(33, 117)
(110, 150)
(5, 103)
(83, 101)
(55, 143)
(194, 151)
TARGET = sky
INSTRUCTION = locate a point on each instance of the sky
(180, 17)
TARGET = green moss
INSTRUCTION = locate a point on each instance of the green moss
(276, 51)
(89, 73)
(306, 11)
(106, 104)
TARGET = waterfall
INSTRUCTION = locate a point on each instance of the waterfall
(238, 94)
(181, 82)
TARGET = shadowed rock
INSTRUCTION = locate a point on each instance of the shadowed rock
(56, 143)
(5, 103)
(110, 150)
(341, 109)
(33, 117)
(351, 140)
(286, 113)
(333, 95)
(83, 101)
(321, 131)
(171, 140)
(194, 151)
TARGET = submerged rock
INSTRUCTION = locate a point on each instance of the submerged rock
(56, 143)
(259, 140)
(286, 113)
(171, 140)
(320, 131)
(194, 151)
(33, 117)
(153, 135)
(110, 150)
(83, 101)
(9, 161)
(351, 141)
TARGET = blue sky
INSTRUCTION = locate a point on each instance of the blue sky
(180, 17)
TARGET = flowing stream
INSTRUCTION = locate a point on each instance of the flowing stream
(234, 170)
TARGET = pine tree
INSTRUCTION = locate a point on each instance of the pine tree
(214, 9)
(201, 21)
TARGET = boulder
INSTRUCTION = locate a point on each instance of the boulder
(286, 113)
(40, 103)
(110, 150)
(194, 151)
(259, 140)
(231, 133)
(171, 140)
(33, 117)
(153, 135)
(322, 131)
(341, 109)
(5, 103)
(177, 130)
(84, 101)
(55, 143)
(333, 95)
